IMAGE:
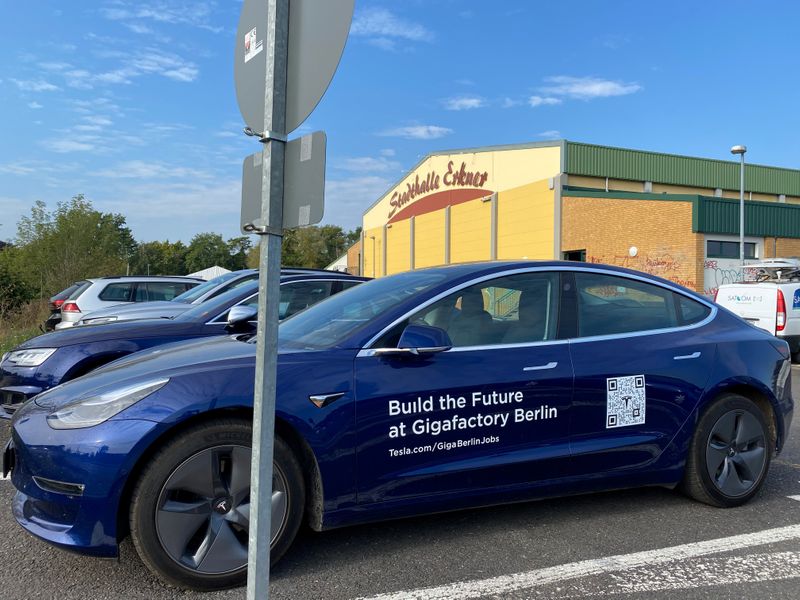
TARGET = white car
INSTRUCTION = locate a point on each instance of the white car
(96, 294)
(772, 302)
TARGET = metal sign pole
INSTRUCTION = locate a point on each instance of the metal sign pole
(260, 535)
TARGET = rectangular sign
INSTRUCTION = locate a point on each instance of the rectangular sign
(304, 184)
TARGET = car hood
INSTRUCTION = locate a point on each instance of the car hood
(169, 361)
(145, 310)
(133, 329)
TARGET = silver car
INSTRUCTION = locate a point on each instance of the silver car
(104, 292)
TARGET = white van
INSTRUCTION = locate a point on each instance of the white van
(771, 302)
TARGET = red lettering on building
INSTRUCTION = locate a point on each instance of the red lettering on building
(432, 183)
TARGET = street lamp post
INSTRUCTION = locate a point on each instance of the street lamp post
(740, 150)
(372, 237)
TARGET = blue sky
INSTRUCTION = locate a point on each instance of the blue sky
(132, 102)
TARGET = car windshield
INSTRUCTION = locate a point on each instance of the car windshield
(193, 294)
(211, 308)
(326, 324)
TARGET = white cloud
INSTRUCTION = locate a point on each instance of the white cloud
(35, 85)
(139, 28)
(368, 164)
(35, 105)
(588, 88)
(543, 101)
(418, 132)
(18, 168)
(139, 169)
(550, 133)
(383, 28)
(464, 103)
(66, 146)
(388, 152)
(175, 12)
(347, 199)
(149, 61)
(55, 66)
(510, 102)
(98, 120)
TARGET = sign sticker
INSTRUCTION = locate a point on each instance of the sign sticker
(625, 401)
(252, 45)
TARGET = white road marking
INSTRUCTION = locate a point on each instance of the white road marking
(506, 584)
(6, 478)
(679, 575)
(794, 498)
(729, 570)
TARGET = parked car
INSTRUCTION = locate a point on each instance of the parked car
(55, 305)
(96, 294)
(771, 303)
(54, 358)
(426, 391)
(183, 302)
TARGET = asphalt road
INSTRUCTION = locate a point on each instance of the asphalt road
(629, 544)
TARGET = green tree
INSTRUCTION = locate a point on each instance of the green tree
(72, 242)
(160, 258)
(206, 250)
(14, 291)
(238, 249)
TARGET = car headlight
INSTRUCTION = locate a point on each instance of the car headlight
(32, 357)
(91, 411)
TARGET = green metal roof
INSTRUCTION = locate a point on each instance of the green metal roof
(762, 219)
(638, 165)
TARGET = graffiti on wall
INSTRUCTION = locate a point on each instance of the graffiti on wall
(663, 263)
(719, 271)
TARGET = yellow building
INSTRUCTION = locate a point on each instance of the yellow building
(673, 216)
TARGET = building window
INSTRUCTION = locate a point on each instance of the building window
(576, 255)
(719, 249)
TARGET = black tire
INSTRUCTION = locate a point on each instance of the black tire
(191, 531)
(730, 453)
(796, 357)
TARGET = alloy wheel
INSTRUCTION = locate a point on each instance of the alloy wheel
(736, 453)
(203, 510)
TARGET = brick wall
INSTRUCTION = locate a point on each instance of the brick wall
(661, 231)
(786, 247)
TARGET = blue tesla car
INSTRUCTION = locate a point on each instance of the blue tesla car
(48, 360)
(426, 391)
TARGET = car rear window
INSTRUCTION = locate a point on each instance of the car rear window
(81, 288)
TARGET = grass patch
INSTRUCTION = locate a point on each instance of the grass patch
(22, 325)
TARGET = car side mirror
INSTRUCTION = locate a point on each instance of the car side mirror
(419, 340)
(239, 317)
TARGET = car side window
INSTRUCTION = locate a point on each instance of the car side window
(299, 295)
(515, 309)
(164, 290)
(117, 292)
(691, 311)
(609, 305)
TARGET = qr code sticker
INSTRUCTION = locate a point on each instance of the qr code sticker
(625, 401)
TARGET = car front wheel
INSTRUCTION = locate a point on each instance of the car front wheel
(190, 510)
(730, 453)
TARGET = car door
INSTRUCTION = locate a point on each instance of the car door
(641, 363)
(489, 414)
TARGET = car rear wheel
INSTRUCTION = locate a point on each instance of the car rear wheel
(190, 511)
(730, 453)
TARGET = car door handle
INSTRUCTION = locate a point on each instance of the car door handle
(688, 356)
(550, 365)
